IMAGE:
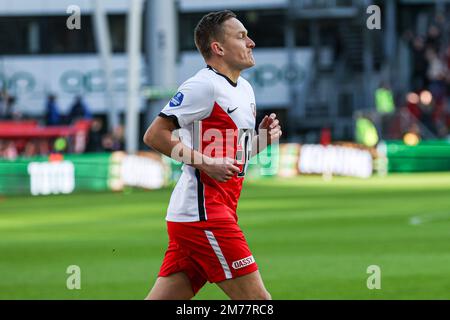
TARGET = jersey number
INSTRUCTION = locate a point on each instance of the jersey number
(244, 149)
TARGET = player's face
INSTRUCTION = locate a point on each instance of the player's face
(237, 45)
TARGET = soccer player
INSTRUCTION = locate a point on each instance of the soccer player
(215, 111)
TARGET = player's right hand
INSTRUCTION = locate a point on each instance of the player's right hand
(221, 169)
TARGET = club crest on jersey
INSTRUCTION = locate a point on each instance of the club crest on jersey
(176, 100)
(243, 262)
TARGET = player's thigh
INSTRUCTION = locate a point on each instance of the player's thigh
(176, 286)
(246, 287)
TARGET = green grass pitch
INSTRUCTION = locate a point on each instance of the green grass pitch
(312, 239)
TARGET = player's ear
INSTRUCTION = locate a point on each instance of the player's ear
(217, 48)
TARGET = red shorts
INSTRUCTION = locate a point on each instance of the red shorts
(207, 251)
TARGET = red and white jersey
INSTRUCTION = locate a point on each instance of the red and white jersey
(217, 118)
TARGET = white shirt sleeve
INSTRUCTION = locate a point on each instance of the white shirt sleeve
(193, 101)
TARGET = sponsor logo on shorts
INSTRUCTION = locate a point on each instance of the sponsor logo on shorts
(243, 262)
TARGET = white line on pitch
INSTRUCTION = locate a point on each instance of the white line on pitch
(417, 220)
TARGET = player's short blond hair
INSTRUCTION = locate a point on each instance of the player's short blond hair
(210, 28)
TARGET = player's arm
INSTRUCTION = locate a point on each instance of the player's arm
(160, 137)
(269, 131)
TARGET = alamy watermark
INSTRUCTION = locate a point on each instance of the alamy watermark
(374, 280)
(74, 20)
(374, 20)
(239, 146)
(73, 281)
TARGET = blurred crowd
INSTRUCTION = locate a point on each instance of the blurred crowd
(96, 138)
(7, 103)
(53, 115)
(424, 111)
(428, 101)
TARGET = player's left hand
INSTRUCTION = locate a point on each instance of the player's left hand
(270, 126)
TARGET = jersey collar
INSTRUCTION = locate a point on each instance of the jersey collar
(234, 84)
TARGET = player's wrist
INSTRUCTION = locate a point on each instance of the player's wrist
(203, 163)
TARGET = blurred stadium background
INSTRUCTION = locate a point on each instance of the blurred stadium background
(361, 176)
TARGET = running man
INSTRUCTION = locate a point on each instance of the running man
(215, 111)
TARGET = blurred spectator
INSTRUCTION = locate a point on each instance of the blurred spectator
(447, 55)
(433, 40)
(114, 141)
(436, 74)
(60, 145)
(95, 136)
(119, 138)
(447, 58)
(427, 107)
(31, 149)
(420, 64)
(44, 148)
(7, 106)
(108, 142)
(384, 99)
(79, 110)
(8, 150)
(385, 107)
(412, 104)
(325, 136)
(52, 117)
(2, 147)
(366, 132)
(2, 104)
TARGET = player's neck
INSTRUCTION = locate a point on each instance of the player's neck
(225, 70)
